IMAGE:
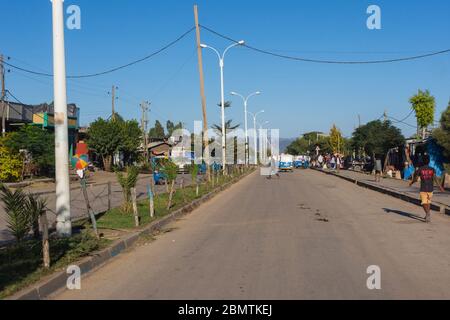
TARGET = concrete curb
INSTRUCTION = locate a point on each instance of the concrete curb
(436, 206)
(57, 281)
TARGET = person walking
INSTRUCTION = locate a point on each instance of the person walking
(273, 168)
(320, 160)
(427, 177)
(378, 169)
(333, 162)
(338, 163)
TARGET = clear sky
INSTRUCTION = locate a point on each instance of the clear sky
(297, 96)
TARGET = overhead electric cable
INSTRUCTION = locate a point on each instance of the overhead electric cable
(302, 59)
(110, 70)
(399, 121)
(18, 112)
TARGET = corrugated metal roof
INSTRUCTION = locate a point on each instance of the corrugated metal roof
(19, 112)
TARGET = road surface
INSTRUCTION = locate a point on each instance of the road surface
(305, 236)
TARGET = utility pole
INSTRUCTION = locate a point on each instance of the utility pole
(63, 217)
(385, 116)
(145, 105)
(359, 121)
(113, 102)
(3, 95)
(202, 94)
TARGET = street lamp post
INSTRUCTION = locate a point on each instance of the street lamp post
(245, 99)
(63, 218)
(254, 115)
(222, 92)
(263, 140)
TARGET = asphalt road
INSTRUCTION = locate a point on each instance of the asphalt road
(305, 236)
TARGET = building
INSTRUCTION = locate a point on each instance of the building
(159, 149)
(18, 114)
(44, 116)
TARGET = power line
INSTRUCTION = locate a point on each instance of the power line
(9, 92)
(399, 121)
(132, 100)
(80, 90)
(407, 117)
(44, 74)
(328, 61)
(18, 112)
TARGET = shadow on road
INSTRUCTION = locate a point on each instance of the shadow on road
(404, 214)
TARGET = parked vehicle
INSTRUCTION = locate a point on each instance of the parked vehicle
(286, 162)
(307, 162)
(298, 162)
(202, 168)
(158, 177)
(301, 162)
(358, 164)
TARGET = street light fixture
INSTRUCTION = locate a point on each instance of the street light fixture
(254, 115)
(221, 64)
(245, 99)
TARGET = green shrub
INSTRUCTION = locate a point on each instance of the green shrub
(10, 166)
(22, 212)
(17, 219)
(39, 143)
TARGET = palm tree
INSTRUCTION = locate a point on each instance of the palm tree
(127, 183)
(17, 219)
(228, 127)
(227, 104)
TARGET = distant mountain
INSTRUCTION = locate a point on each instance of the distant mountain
(284, 143)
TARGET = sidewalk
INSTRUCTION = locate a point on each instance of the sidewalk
(397, 188)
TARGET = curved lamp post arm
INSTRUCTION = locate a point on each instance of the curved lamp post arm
(204, 46)
(261, 124)
(239, 95)
(251, 95)
(240, 43)
(245, 99)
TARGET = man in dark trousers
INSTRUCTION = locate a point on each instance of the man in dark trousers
(427, 177)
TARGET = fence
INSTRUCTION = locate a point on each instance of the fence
(102, 197)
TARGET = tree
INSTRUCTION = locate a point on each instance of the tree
(104, 138)
(229, 126)
(423, 103)
(194, 177)
(22, 212)
(157, 132)
(39, 143)
(131, 140)
(127, 183)
(336, 140)
(442, 136)
(171, 128)
(377, 137)
(170, 170)
(308, 143)
(35, 208)
(18, 222)
(227, 104)
(299, 146)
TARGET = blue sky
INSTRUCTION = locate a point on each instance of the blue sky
(298, 97)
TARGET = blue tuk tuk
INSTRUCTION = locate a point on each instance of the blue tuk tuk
(157, 163)
(286, 162)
